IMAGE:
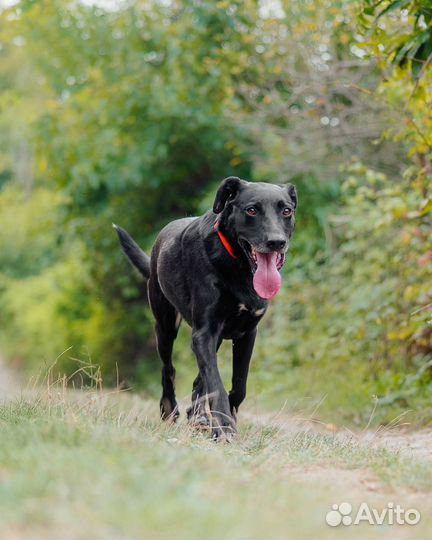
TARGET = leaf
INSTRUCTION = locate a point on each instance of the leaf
(423, 58)
(397, 4)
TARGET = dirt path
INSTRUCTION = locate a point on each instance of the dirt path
(358, 485)
(410, 443)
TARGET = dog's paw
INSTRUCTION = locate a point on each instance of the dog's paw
(223, 427)
(169, 410)
(198, 418)
(224, 434)
(200, 422)
(197, 413)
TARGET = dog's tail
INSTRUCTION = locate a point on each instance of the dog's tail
(135, 254)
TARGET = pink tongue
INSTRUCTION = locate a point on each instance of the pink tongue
(267, 280)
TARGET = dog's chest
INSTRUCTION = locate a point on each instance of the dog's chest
(242, 315)
(256, 310)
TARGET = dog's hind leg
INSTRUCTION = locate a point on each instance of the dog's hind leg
(167, 325)
(165, 339)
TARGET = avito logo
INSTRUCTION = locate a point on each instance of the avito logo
(342, 514)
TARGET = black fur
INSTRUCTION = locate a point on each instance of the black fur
(136, 255)
(193, 277)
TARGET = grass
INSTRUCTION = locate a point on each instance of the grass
(93, 464)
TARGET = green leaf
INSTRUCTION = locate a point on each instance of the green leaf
(410, 48)
(397, 4)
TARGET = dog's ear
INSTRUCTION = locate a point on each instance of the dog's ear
(228, 189)
(292, 192)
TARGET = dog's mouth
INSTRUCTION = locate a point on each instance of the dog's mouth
(265, 268)
(252, 255)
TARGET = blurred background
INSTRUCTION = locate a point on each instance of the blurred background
(133, 111)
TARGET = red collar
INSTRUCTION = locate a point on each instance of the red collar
(224, 240)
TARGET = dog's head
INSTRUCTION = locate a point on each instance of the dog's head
(261, 218)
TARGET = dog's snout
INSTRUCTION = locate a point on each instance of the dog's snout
(276, 244)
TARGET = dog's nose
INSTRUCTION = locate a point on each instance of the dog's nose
(276, 244)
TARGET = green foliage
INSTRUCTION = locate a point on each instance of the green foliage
(26, 236)
(359, 325)
(413, 47)
(135, 123)
(362, 314)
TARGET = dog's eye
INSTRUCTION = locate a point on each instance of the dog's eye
(251, 211)
(287, 212)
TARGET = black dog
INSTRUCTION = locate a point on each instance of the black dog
(217, 272)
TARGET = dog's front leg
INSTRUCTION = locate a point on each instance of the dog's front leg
(196, 413)
(204, 345)
(242, 353)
